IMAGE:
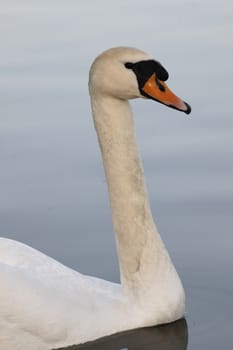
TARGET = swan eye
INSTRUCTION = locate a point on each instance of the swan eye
(129, 65)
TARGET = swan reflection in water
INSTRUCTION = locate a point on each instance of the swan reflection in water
(173, 336)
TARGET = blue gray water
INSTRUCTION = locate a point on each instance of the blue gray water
(53, 191)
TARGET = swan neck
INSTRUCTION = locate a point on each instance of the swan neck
(138, 243)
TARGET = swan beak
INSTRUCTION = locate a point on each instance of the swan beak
(159, 91)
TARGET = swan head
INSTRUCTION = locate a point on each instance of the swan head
(127, 73)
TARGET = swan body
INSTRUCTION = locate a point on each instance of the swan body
(46, 305)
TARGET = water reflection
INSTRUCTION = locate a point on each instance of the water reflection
(172, 336)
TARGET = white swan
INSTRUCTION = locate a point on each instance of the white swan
(45, 305)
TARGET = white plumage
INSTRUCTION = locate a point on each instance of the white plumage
(44, 304)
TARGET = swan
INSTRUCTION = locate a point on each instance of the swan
(46, 305)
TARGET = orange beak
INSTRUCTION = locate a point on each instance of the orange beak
(159, 91)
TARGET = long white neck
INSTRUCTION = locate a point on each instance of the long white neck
(140, 249)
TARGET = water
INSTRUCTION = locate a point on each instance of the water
(167, 337)
(51, 177)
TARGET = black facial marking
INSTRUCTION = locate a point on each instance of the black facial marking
(144, 70)
(129, 65)
(161, 72)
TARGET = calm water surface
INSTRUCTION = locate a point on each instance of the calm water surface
(53, 191)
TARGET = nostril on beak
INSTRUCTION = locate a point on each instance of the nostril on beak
(160, 86)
